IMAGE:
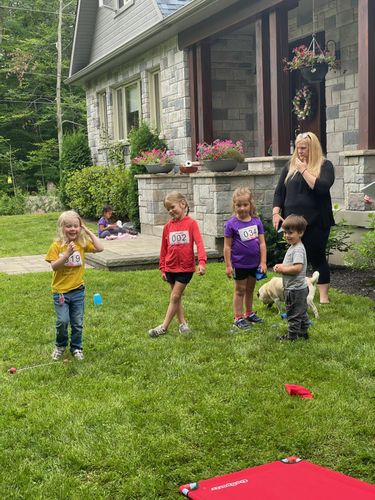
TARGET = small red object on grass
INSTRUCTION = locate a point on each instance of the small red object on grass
(298, 390)
(12, 370)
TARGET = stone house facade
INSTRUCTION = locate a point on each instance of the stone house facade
(200, 80)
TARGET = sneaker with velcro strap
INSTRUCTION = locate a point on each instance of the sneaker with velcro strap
(253, 318)
(242, 324)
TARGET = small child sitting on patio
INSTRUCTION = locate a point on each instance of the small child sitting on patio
(105, 225)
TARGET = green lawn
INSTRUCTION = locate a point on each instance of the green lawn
(28, 234)
(141, 416)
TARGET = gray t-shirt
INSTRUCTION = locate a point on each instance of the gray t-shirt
(296, 254)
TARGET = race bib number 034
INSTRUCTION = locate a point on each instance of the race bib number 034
(248, 233)
(179, 238)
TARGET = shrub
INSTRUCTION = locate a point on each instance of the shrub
(141, 139)
(75, 155)
(339, 236)
(75, 152)
(144, 139)
(276, 245)
(132, 198)
(362, 254)
(12, 205)
(89, 189)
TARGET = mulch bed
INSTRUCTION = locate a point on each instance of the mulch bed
(354, 282)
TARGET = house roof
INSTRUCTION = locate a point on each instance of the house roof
(167, 7)
(176, 16)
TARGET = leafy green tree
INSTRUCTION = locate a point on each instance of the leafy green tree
(28, 58)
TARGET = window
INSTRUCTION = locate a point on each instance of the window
(127, 109)
(122, 5)
(103, 115)
(155, 114)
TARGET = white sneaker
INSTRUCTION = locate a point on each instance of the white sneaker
(58, 352)
(78, 354)
(184, 329)
(157, 331)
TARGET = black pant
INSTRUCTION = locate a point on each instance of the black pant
(315, 241)
(296, 312)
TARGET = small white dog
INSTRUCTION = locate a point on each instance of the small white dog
(273, 292)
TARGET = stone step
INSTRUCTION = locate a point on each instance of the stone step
(141, 252)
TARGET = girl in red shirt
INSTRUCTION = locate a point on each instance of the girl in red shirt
(177, 259)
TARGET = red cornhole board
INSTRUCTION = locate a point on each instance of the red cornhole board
(289, 479)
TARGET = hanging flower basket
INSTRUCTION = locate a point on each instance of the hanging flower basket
(312, 61)
(316, 73)
(302, 103)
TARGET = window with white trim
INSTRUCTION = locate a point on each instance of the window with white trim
(126, 109)
(155, 100)
(122, 5)
(103, 113)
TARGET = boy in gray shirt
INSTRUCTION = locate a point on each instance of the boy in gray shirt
(293, 270)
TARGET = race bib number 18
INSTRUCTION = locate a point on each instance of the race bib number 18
(248, 233)
(179, 238)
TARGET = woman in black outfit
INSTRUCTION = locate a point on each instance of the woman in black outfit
(303, 189)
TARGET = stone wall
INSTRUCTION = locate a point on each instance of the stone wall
(339, 20)
(234, 94)
(209, 196)
(175, 105)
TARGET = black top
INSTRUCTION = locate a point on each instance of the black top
(296, 197)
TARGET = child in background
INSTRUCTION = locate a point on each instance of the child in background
(244, 251)
(67, 258)
(293, 270)
(177, 259)
(105, 225)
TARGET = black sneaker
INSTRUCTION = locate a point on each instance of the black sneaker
(241, 324)
(303, 335)
(286, 337)
(253, 318)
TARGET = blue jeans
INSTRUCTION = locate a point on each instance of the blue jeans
(70, 311)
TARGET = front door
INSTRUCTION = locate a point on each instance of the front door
(317, 121)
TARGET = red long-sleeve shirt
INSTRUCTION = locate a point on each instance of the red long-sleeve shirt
(177, 246)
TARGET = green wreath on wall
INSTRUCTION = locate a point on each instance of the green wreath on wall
(302, 103)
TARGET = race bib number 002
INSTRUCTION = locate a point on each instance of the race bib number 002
(179, 238)
(74, 260)
(248, 233)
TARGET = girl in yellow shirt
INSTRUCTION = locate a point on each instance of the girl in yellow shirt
(67, 258)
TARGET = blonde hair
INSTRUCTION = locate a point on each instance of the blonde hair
(316, 157)
(244, 191)
(62, 222)
(176, 198)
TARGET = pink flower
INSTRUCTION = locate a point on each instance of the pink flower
(368, 200)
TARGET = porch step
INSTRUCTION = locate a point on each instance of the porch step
(141, 252)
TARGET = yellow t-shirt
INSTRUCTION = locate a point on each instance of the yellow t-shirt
(70, 276)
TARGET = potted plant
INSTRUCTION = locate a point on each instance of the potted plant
(156, 161)
(221, 155)
(313, 63)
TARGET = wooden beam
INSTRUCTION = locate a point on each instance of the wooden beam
(204, 94)
(244, 10)
(263, 84)
(280, 104)
(366, 74)
(192, 61)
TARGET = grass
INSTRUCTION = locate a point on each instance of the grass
(29, 234)
(141, 416)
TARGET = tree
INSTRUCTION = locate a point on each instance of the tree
(28, 74)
